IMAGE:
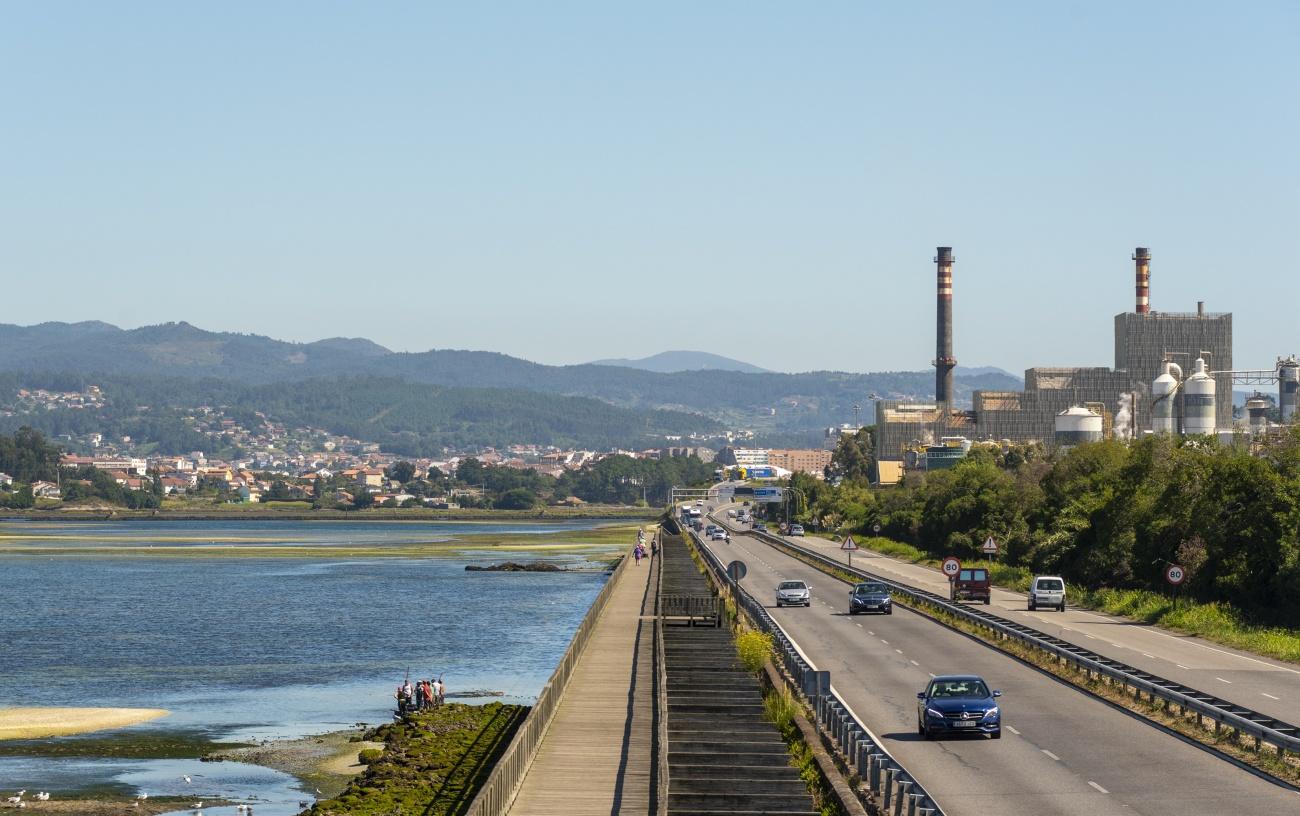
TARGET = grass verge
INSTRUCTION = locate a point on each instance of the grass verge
(432, 763)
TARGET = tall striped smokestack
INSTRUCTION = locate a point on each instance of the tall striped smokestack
(944, 362)
(1142, 257)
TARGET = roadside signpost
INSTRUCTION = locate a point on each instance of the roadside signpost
(951, 566)
(849, 546)
(990, 546)
(875, 528)
(1175, 574)
(736, 570)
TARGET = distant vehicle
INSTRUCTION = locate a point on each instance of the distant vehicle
(793, 593)
(1049, 591)
(697, 525)
(971, 584)
(708, 530)
(796, 529)
(731, 513)
(746, 504)
(760, 527)
(695, 512)
(958, 704)
(718, 534)
(870, 596)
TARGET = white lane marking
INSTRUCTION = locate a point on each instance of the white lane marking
(882, 640)
(900, 651)
(1183, 639)
(1008, 727)
(1221, 680)
(858, 625)
(1270, 696)
(1090, 637)
(1144, 654)
(1099, 788)
(914, 663)
(869, 632)
(1119, 645)
(1050, 754)
(932, 674)
(1180, 665)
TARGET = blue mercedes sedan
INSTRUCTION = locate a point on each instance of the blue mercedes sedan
(958, 704)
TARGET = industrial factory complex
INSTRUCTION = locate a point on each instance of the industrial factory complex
(1173, 373)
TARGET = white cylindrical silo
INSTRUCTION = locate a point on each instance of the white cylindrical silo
(1288, 377)
(1257, 408)
(1198, 401)
(1076, 425)
(1163, 393)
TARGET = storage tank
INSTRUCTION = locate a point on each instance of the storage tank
(1076, 425)
(1198, 401)
(1288, 380)
(1257, 410)
(1163, 394)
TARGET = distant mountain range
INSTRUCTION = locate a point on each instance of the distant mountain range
(781, 408)
(667, 362)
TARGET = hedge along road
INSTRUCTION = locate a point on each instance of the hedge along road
(1061, 751)
(1267, 686)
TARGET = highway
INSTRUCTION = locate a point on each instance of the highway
(1061, 752)
(1267, 686)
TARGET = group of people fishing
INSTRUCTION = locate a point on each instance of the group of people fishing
(420, 695)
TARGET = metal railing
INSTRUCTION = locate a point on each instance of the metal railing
(661, 695)
(502, 785)
(896, 790)
(1262, 728)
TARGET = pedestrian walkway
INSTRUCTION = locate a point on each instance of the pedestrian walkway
(598, 755)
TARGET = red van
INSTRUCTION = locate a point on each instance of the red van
(971, 584)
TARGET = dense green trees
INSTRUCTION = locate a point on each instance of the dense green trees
(1107, 515)
(27, 457)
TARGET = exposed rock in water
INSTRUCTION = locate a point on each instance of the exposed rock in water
(512, 566)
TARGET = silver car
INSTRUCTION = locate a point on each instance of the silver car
(793, 593)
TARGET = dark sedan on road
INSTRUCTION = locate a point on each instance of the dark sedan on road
(958, 704)
(870, 596)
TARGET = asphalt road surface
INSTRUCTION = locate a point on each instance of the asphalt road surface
(1267, 686)
(1062, 752)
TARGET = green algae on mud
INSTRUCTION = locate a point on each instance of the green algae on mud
(433, 763)
(603, 540)
(174, 744)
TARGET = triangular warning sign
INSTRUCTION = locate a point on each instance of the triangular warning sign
(849, 543)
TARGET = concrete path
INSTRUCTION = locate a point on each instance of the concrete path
(598, 755)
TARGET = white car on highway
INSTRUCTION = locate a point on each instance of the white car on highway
(793, 593)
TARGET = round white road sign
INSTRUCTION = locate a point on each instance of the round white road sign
(951, 566)
(1175, 574)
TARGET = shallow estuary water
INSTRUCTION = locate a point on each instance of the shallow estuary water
(245, 648)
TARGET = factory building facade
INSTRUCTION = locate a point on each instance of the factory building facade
(1144, 340)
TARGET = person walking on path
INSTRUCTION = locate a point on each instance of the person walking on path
(636, 554)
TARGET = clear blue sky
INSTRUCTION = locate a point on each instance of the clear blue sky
(566, 181)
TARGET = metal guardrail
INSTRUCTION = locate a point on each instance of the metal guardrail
(502, 785)
(661, 696)
(1262, 728)
(897, 791)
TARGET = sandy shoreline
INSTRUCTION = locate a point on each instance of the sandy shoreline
(39, 722)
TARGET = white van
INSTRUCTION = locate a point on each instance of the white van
(1049, 591)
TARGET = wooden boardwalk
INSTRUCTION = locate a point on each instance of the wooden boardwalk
(598, 754)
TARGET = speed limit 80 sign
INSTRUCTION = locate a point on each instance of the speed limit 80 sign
(1175, 574)
(951, 566)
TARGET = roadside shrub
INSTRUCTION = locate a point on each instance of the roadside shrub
(369, 756)
(754, 649)
(780, 708)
